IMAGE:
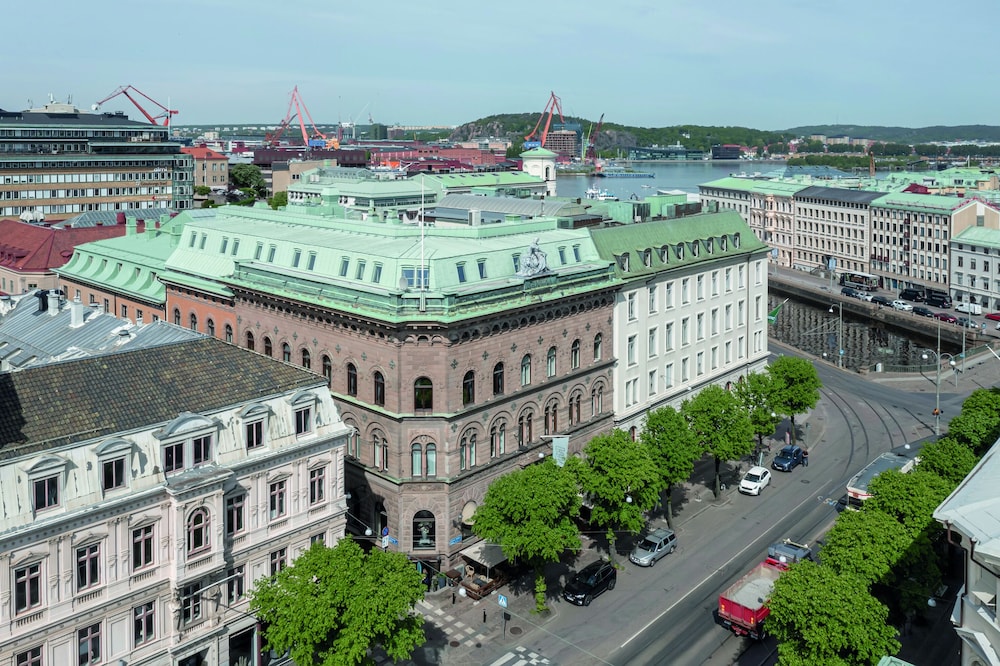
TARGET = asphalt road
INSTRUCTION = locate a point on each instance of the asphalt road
(665, 614)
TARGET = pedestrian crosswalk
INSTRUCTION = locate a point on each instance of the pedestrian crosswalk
(520, 656)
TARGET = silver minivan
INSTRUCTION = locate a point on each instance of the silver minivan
(658, 543)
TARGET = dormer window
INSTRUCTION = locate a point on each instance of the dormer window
(622, 260)
(187, 441)
(647, 257)
(254, 426)
(303, 407)
(46, 477)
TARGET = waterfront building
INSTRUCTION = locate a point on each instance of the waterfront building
(975, 256)
(57, 161)
(30, 253)
(968, 518)
(134, 527)
(691, 311)
(211, 169)
(833, 223)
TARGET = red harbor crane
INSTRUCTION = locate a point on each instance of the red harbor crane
(128, 91)
(550, 108)
(590, 154)
(315, 139)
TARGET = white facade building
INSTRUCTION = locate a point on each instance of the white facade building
(692, 310)
(142, 493)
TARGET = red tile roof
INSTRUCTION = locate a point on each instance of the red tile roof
(203, 153)
(29, 247)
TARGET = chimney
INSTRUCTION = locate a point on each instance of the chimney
(131, 226)
(53, 302)
(138, 321)
(119, 218)
(76, 313)
(42, 302)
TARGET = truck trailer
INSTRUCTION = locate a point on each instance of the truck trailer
(743, 605)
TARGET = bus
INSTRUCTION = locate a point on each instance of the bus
(857, 487)
(862, 281)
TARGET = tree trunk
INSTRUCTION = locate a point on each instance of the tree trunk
(611, 545)
(792, 438)
(670, 505)
(717, 490)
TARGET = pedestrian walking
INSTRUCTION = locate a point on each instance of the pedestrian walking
(805, 458)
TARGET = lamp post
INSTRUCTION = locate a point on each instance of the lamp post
(840, 334)
(937, 383)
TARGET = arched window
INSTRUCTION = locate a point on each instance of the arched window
(524, 434)
(268, 348)
(286, 352)
(469, 388)
(498, 379)
(423, 530)
(597, 400)
(193, 322)
(352, 379)
(197, 531)
(551, 420)
(416, 460)
(380, 451)
(177, 317)
(328, 370)
(598, 342)
(306, 359)
(229, 333)
(550, 363)
(210, 327)
(498, 435)
(379, 382)
(526, 370)
(423, 394)
(432, 460)
(574, 355)
(249, 340)
(574, 408)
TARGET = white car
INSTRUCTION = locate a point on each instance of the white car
(755, 480)
(901, 305)
(865, 296)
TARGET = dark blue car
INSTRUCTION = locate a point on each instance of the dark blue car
(788, 458)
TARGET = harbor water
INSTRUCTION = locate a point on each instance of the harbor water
(684, 176)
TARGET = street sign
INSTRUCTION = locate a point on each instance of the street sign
(393, 540)
(385, 531)
(502, 600)
(385, 542)
(455, 540)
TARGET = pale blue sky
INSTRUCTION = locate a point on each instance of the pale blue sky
(767, 64)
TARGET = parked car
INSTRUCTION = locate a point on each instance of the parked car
(849, 291)
(589, 582)
(900, 304)
(881, 300)
(967, 323)
(755, 480)
(865, 296)
(654, 546)
(938, 301)
(945, 316)
(914, 295)
(788, 458)
(922, 311)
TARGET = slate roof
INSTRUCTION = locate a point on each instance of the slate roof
(54, 405)
(840, 194)
(30, 247)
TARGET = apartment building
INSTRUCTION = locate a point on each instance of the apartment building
(211, 169)
(975, 255)
(833, 223)
(141, 506)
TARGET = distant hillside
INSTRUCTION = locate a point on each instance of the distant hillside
(517, 125)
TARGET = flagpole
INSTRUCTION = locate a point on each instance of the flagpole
(423, 283)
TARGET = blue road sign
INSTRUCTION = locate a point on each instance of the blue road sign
(385, 531)
(393, 540)
(502, 600)
(455, 540)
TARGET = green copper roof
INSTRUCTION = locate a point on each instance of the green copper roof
(981, 236)
(927, 203)
(758, 185)
(539, 152)
(652, 247)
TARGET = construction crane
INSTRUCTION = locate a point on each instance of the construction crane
(301, 114)
(590, 151)
(550, 108)
(126, 91)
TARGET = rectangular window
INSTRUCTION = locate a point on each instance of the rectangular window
(237, 584)
(303, 421)
(89, 641)
(113, 474)
(202, 449)
(651, 343)
(729, 316)
(173, 457)
(729, 352)
(88, 566)
(701, 287)
(377, 273)
(715, 357)
(700, 361)
(685, 331)
(345, 263)
(668, 336)
(715, 321)
(311, 262)
(631, 350)
(481, 263)
(27, 588)
(576, 253)
(278, 560)
(685, 291)
(715, 283)
(652, 298)
(296, 257)
(124, 312)
(729, 279)
(317, 485)
(32, 657)
(668, 294)
(224, 246)
(191, 603)
(758, 311)
(277, 508)
(630, 298)
(668, 375)
(235, 514)
(359, 274)
(46, 492)
(143, 623)
(461, 272)
(685, 370)
(700, 325)
(254, 433)
(652, 382)
(142, 547)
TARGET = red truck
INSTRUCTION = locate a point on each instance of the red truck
(742, 606)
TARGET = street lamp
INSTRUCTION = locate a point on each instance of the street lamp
(937, 383)
(840, 334)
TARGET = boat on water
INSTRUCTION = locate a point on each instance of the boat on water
(598, 194)
(621, 172)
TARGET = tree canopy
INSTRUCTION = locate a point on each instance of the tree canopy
(720, 424)
(333, 604)
(673, 448)
(248, 178)
(948, 458)
(796, 386)
(909, 498)
(756, 393)
(866, 543)
(530, 514)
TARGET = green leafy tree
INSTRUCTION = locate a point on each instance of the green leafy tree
(721, 425)
(248, 178)
(673, 448)
(949, 459)
(202, 190)
(756, 394)
(865, 543)
(333, 604)
(824, 618)
(278, 200)
(909, 498)
(914, 578)
(979, 423)
(530, 514)
(796, 386)
(620, 480)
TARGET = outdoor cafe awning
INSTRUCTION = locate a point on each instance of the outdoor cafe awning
(487, 554)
